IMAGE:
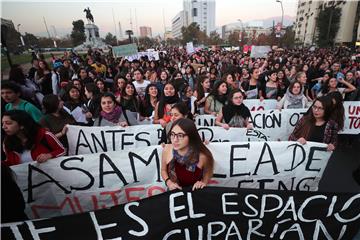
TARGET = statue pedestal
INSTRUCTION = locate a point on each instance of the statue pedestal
(93, 39)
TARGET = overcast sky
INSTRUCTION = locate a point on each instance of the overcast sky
(148, 13)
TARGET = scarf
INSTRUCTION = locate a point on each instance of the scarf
(230, 110)
(294, 100)
(221, 98)
(171, 99)
(183, 160)
(112, 116)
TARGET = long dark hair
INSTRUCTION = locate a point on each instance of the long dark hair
(17, 75)
(309, 119)
(50, 103)
(195, 143)
(162, 102)
(147, 100)
(183, 109)
(337, 111)
(30, 130)
(199, 88)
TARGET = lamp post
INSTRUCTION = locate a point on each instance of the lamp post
(282, 18)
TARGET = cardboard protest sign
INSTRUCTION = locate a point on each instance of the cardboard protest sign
(211, 213)
(259, 51)
(190, 48)
(76, 184)
(125, 50)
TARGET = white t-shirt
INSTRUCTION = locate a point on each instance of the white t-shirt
(140, 87)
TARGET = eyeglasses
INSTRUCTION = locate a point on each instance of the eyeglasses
(316, 108)
(179, 136)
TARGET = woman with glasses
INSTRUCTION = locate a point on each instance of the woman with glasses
(186, 161)
(235, 113)
(317, 125)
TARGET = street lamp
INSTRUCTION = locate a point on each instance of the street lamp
(282, 16)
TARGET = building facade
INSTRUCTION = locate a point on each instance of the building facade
(179, 21)
(202, 12)
(308, 11)
(145, 31)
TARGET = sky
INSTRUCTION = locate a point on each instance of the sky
(152, 13)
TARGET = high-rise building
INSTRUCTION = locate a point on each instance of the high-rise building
(306, 17)
(202, 12)
(179, 21)
(145, 31)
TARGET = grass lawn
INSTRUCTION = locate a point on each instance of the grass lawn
(20, 59)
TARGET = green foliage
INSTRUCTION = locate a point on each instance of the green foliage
(110, 39)
(328, 23)
(233, 38)
(192, 33)
(214, 39)
(30, 39)
(288, 40)
(13, 40)
(78, 32)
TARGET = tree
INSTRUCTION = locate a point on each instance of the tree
(146, 42)
(78, 32)
(214, 39)
(31, 39)
(110, 39)
(13, 40)
(233, 38)
(288, 39)
(193, 34)
(328, 23)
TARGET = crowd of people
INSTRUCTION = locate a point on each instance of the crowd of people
(95, 89)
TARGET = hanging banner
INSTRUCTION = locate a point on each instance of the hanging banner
(81, 183)
(154, 55)
(211, 213)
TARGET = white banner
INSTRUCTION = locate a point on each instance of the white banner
(274, 124)
(352, 117)
(77, 184)
(154, 55)
(257, 105)
(84, 140)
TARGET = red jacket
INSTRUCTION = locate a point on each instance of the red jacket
(45, 142)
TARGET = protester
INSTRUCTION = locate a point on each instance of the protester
(189, 100)
(111, 114)
(43, 77)
(294, 97)
(317, 126)
(56, 118)
(272, 87)
(186, 161)
(168, 98)
(10, 93)
(101, 85)
(201, 92)
(148, 105)
(217, 98)
(252, 88)
(130, 103)
(332, 86)
(26, 141)
(234, 113)
(92, 105)
(179, 110)
(119, 85)
(140, 83)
